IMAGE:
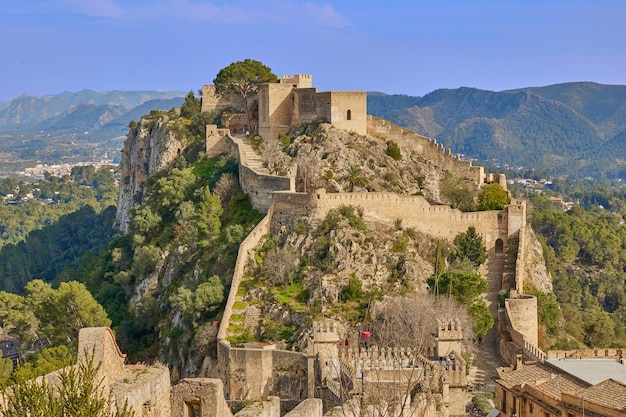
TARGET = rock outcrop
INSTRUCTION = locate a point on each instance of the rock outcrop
(150, 146)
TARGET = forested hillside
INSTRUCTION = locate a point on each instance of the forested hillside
(574, 129)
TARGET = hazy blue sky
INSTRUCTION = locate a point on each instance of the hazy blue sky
(407, 46)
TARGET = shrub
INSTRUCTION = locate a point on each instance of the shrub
(393, 150)
(354, 290)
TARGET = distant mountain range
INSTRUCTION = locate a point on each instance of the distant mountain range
(577, 129)
(73, 127)
(85, 110)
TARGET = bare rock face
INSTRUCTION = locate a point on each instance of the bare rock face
(342, 161)
(150, 146)
(536, 271)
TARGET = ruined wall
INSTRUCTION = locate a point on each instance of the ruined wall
(269, 407)
(255, 373)
(215, 141)
(311, 407)
(198, 394)
(146, 390)
(98, 343)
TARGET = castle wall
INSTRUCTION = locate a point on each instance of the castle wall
(587, 354)
(305, 105)
(284, 105)
(432, 150)
(211, 101)
(269, 407)
(519, 311)
(260, 187)
(297, 80)
(245, 249)
(415, 211)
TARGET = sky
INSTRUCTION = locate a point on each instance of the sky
(397, 47)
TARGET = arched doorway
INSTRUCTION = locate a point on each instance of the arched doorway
(499, 246)
(349, 115)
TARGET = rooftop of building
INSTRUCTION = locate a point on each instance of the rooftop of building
(540, 376)
(608, 393)
(592, 371)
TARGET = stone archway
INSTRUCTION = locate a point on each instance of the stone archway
(499, 246)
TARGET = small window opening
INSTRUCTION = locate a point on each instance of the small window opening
(349, 115)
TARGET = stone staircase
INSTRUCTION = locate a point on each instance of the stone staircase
(487, 357)
(249, 156)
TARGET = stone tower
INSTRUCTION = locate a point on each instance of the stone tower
(325, 347)
(449, 337)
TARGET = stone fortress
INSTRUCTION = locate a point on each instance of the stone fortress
(265, 377)
(251, 371)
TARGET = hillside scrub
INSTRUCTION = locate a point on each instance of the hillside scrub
(183, 239)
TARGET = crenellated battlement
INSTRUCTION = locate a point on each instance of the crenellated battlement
(325, 331)
(437, 152)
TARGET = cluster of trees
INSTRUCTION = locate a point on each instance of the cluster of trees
(585, 253)
(460, 195)
(84, 187)
(462, 282)
(48, 318)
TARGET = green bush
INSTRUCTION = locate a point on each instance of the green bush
(393, 150)
(284, 140)
(354, 290)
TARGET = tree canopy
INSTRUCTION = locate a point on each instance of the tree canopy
(470, 246)
(242, 78)
(493, 197)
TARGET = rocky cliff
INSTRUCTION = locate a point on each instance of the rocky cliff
(151, 145)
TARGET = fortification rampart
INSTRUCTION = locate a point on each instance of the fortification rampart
(245, 249)
(252, 373)
(521, 323)
(259, 186)
(616, 354)
(415, 211)
(432, 150)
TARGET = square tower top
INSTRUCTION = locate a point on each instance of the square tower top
(298, 80)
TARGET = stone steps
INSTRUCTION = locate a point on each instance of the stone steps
(251, 158)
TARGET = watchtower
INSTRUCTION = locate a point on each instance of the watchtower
(449, 336)
(325, 347)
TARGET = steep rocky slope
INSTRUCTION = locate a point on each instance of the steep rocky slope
(152, 145)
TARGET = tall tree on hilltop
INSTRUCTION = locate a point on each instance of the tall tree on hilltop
(191, 106)
(243, 78)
